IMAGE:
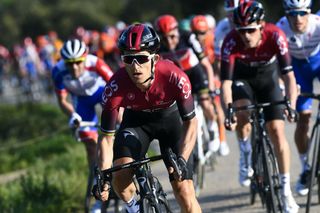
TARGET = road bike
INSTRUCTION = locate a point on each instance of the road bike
(152, 198)
(201, 154)
(314, 142)
(266, 179)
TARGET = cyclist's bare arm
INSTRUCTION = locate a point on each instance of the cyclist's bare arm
(206, 63)
(226, 91)
(106, 151)
(188, 137)
(64, 104)
(291, 88)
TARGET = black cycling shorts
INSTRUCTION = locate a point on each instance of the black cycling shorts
(198, 79)
(139, 128)
(262, 86)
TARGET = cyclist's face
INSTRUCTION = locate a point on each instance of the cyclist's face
(171, 39)
(138, 65)
(250, 35)
(201, 36)
(76, 69)
(298, 20)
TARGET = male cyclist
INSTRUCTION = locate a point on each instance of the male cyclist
(224, 26)
(158, 104)
(302, 30)
(185, 51)
(258, 49)
(83, 76)
(205, 35)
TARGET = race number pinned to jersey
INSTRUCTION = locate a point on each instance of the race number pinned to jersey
(109, 90)
(181, 83)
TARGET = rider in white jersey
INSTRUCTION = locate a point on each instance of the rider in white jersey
(303, 34)
(224, 26)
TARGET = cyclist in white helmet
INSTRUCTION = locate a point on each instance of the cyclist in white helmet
(302, 29)
(83, 76)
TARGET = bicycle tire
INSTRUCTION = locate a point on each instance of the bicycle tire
(315, 158)
(88, 192)
(272, 181)
(198, 177)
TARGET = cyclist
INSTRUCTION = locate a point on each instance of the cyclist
(83, 76)
(184, 50)
(156, 95)
(205, 35)
(224, 26)
(302, 29)
(258, 49)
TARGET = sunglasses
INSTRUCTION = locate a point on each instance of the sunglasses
(248, 30)
(200, 33)
(295, 13)
(139, 59)
(72, 62)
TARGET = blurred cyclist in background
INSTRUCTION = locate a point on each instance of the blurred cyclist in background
(302, 29)
(185, 51)
(260, 51)
(83, 76)
(205, 35)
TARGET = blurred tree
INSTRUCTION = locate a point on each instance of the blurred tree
(20, 18)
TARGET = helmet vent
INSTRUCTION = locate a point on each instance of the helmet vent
(133, 39)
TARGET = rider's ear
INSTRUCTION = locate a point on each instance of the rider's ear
(156, 58)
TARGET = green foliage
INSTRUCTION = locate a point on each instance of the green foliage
(22, 122)
(52, 186)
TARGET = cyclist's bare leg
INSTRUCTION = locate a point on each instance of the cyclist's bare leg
(243, 125)
(209, 114)
(220, 120)
(186, 197)
(207, 106)
(281, 146)
(91, 149)
(122, 180)
(301, 132)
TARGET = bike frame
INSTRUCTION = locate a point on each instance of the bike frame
(147, 185)
(263, 158)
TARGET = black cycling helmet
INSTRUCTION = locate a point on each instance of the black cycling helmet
(139, 37)
(247, 13)
(74, 50)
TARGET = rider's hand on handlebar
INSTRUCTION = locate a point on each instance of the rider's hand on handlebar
(292, 115)
(182, 172)
(230, 121)
(104, 196)
(75, 120)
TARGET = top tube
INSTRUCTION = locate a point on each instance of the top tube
(133, 164)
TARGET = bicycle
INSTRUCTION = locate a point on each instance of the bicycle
(202, 155)
(105, 205)
(314, 141)
(266, 179)
(152, 198)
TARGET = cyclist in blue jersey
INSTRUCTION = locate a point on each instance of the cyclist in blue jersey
(83, 76)
(302, 29)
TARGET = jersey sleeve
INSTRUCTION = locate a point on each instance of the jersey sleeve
(196, 46)
(283, 56)
(58, 80)
(182, 89)
(111, 100)
(228, 58)
(103, 70)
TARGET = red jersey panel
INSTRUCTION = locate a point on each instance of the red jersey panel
(170, 85)
(272, 46)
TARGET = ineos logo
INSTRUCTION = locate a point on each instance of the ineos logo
(109, 90)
